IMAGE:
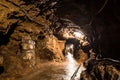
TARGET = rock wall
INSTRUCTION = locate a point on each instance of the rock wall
(20, 22)
(102, 69)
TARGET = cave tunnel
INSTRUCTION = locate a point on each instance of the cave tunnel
(72, 45)
(104, 33)
(59, 40)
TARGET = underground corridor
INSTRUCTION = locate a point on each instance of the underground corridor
(59, 40)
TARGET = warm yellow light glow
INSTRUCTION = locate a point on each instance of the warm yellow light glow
(68, 35)
(79, 35)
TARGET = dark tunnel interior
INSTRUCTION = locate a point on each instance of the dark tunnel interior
(72, 45)
(105, 34)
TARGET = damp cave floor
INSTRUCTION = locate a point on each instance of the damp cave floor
(47, 71)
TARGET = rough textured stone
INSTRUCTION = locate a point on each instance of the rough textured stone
(51, 49)
(102, 69)
(1, 60)
(20, 19)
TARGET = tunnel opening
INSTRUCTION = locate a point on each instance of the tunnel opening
(72, 45)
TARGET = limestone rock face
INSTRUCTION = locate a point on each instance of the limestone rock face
(51, 49)
(57, 47)
(19, 20)
(102, 69)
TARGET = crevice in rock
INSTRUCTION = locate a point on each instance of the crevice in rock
(4, 39)
(1, 69)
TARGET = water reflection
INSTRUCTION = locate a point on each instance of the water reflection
(71, 67)
(55, 71)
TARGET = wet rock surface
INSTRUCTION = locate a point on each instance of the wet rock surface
(102, 69)
(37, 30)
(47, 71)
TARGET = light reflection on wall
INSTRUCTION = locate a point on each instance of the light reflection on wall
(79, 35)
